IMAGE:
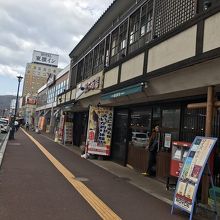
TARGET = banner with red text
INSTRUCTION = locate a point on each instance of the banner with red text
(99, 131)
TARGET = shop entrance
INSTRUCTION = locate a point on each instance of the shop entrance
(120, 131)
(80, 128)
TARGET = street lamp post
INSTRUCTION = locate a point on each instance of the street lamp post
(12, 131)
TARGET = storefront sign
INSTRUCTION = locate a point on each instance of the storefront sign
(167, 140)
(45, 58)
(191, 173)
(123, 92)
(87, 86)
(99, 130)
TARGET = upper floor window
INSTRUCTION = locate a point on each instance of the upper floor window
(107, 51)
(115, 42)
(99, 57)
(123, 37)
(88, 65)
(79, 77)
(73, 75)
(134, 27)
(119, 42)
(147, 20)
(101, 52)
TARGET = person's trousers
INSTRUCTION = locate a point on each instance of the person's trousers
(151, 162)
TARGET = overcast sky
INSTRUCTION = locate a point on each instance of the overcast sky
(54, 26)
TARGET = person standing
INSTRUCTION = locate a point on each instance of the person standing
(153, 149)
(27, 126)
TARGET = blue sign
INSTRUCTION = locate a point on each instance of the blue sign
(191, 173)
(123, 92)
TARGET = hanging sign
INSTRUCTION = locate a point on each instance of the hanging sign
(191, 173)
(99, 130)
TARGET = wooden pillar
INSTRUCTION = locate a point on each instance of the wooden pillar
(209, 111)
(208, 133)
(210, 105)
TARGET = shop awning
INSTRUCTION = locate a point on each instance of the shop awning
(123, 92)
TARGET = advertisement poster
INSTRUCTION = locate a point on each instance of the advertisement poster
(41, 123)
(61, 128)
(167, 140)
(191, 173)
(68, 133)
(99, 130)
(180, 151)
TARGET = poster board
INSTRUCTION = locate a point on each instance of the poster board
(191, 173)
(167, 140)
(41, 123)
(68, 133)
(99, 131)
(61, 128)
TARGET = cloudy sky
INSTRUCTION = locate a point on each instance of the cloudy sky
(54, 26)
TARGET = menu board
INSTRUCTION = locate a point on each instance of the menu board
(68, 133)
(191, 173)
(99, 130)
(61, 128)
(167, 140)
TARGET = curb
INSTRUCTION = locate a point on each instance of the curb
(2, 151)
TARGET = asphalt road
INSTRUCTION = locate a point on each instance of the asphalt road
(31, 187)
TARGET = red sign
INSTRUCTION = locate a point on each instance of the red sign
(179, 153)
(31, 101)
(91, 135)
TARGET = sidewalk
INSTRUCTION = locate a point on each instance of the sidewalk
(122, 176)
(149, 185)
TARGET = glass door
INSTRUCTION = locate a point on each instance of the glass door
(119, 141)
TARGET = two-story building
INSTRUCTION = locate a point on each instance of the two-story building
(151, 59)
(47, 110)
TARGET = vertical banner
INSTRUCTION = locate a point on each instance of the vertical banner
(99, 131)
(61, 128)
(68, 133)
(41, 123)
(191, 173)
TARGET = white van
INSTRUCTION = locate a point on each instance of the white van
(140, 139)
(4, 125)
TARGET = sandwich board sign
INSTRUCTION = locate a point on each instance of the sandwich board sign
(191, 173)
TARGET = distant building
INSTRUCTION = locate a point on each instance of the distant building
(47, 101)
(43, 68)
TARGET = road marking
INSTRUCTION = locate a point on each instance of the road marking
(97, 204)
